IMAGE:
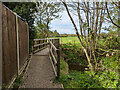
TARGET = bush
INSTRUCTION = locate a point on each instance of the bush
(74, 54)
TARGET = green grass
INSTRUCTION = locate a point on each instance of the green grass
(68, 40)
(63, 67)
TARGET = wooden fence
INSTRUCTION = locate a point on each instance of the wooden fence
(54, 52)
(14, 44)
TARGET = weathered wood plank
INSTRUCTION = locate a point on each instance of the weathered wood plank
(23, 42)
(8, 49)
(28, 36)
(44, 39)
(11, 61)
(4, 43)
(1, 44)
(53, 65)
(17, 36)
(53, 57)
(53, 46)
(40, 44)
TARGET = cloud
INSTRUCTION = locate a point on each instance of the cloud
(64, 25)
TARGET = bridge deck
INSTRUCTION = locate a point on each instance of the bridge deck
(40, 73)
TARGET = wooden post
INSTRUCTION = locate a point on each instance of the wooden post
(74, 42)
(39, 43)
(43, 42)
(17, 34)
(1, 45)
(28, 37)
(33, 49)
(53, 44)
(58, 61)
(61, 41)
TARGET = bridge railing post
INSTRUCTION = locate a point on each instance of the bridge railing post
(33, 47)
(39, 43)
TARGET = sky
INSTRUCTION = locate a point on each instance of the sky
(64, 25)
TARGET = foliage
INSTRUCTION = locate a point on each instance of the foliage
(74, 55)
(99, 79)
(47, 11)
(109, 42)
(107, 77)
(63, 67)
(56, 33)
(112, 62)
(18, 81)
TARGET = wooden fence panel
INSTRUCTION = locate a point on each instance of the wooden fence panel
(23, 41)
(9, 46)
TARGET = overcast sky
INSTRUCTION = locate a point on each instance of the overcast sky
(64, 25)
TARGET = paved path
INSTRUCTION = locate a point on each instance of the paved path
(40, 73)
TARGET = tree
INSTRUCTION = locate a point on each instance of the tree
(118, 9)
(90, 26)
(113, 20)
(47, 11)
(56, 33)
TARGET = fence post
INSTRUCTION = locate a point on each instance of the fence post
(43, 44)
(28, 37)
(61, 41)
(46, 42)
(17, 34)
(1, 45)
(33, 47)
(58, 61)
(39, 43)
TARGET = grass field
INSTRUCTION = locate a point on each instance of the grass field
(69, 40)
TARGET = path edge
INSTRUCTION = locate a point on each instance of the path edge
(26, 69)
(54, 70)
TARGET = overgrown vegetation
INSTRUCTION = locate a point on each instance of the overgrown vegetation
(73, 54)
(106, 77)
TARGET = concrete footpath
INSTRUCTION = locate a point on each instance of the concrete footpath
(40, 73)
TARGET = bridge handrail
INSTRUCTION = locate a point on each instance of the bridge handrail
(55, 49)
(40, 44)
(45, 39)
(54, 59)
